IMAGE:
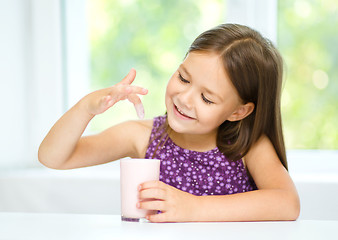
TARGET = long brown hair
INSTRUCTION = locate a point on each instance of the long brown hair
(255, 68)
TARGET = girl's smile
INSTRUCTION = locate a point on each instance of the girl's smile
(181, 114)
(199, 96)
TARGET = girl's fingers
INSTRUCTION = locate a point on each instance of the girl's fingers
(130, 77)
(136, 90)
(152, 196)
(152, 193)
(160, 217)
(139, 110)
(152, 184)
(133, 98)
(121, 92)
(152, 205)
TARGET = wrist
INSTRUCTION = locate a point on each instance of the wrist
(83, 109)
(195, 210)
(203, 209)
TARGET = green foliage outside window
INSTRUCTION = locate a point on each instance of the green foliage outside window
(307, 38)
(153, 37)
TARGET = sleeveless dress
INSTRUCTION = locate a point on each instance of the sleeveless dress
(198, 173)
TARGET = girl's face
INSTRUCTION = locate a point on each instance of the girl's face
(200, 96)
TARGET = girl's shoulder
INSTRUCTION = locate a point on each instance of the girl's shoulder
(261, 156)
(146, 124)
(258, 148)
(136, 133)
(139, 131)
(141, 128)
(148, 127)
(138, 128)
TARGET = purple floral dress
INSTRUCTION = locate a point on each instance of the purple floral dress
(198, 173)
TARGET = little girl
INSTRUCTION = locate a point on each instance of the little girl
(220, 143)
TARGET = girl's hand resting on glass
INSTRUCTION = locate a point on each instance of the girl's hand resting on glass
(174, 204)
(99, 101)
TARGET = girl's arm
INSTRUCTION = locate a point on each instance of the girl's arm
(63, 147)
(276, 199)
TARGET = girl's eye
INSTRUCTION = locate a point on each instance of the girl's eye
(206, 100)
(182, 79)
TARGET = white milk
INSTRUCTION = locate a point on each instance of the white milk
(133, 172)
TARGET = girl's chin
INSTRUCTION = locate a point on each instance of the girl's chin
(176, 125)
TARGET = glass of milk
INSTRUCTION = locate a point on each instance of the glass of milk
(133, 172)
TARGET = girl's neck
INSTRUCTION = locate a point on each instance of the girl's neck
(194, 142)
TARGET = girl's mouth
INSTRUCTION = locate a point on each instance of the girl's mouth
(181, 113)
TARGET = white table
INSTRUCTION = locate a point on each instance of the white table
(38, 226)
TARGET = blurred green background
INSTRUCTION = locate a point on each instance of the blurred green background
(307, 39)
(153, 37)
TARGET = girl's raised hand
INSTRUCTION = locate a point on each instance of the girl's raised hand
(174, 205)
(99, 101)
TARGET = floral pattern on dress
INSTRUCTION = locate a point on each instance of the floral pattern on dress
(198, 173)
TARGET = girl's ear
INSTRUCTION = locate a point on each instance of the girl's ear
(242, 111)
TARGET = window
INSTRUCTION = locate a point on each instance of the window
(307, 39)
(48, 47)
(154, 37)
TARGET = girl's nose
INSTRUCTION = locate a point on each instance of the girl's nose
(186, 99)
